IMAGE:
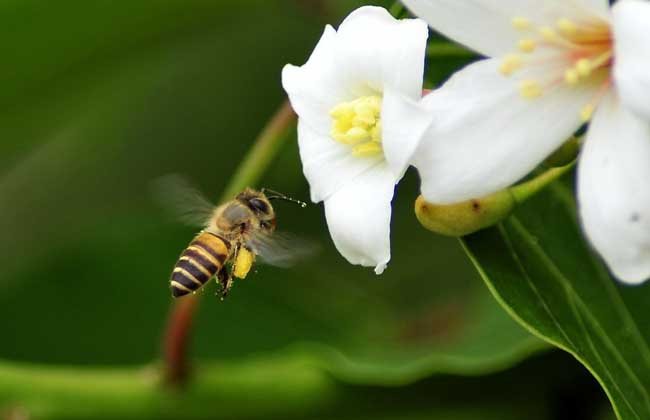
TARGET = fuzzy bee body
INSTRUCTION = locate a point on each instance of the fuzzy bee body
(234, 234)
(204, 257)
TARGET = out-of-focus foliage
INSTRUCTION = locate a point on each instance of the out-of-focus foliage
(89, 253)
(291, 388)
(98, 99)
(539, 267)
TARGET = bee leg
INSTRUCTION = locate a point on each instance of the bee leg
(224, 280)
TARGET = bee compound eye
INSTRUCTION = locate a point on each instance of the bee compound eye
(258, 205)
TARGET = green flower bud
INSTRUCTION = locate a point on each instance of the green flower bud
(466, 217)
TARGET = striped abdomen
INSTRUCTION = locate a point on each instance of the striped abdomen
(202, 259)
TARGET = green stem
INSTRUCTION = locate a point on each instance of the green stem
(264, 150)
(446, 49)
(467, 217)
(275, 387)
(179, 325)
(525, 190)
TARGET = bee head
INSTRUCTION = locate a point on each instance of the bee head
(260, 205)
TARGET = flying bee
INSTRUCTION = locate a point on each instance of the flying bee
(234, 234)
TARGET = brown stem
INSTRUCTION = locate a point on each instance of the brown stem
(179, 325)
(176, 340)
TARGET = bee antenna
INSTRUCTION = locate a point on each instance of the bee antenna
(274, 195)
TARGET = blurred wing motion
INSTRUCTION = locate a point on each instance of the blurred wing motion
(282, 249)
(183, 200)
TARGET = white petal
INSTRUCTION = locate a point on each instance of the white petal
(327, 164)
(404, 123)
(316, 87)
(486, 25)
(358, 217)
(374, 49)
(614, 192)
(486, 136)
(631, 21)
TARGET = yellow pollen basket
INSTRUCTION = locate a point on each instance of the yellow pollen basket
(243, 263)
(358, 123)
(567, 52)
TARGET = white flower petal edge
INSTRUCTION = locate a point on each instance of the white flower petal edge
(490, 136)
(358, 217)
(405, 123)
(486, 25)
(613, 192)
(376, 50)
(631, 21)
(370, 50)
(316, 87)
(327, 164)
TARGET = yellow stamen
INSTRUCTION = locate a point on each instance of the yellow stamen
(530, 89)
(520, 23)
(601, 59)
(357, 123)
(548, 34)
(566, 26)
(356, 134)
(583, 67)
(509, 64)
(527, 45)
(572, 52)
(341, 110)
(571, 76)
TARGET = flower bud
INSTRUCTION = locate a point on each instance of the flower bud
(466, 217)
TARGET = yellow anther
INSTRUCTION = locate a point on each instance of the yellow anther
(341, 110)
(357, 123)
(583, 67)
(510, 63)
(365, 109)
(526, 45)
(566, 26)
(571, 76)
(520, 23)
(530, 89)
(357, 134)
(367, 149)
(586, 113)
(548, 33)
(366, 119)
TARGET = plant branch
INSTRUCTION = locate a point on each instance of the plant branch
(274, 386)
(179, 325)
(525, 190)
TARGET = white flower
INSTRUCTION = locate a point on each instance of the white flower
(556, 65)
(349, 116)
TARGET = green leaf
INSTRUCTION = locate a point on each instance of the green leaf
(540, 268)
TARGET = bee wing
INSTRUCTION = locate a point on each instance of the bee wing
(281, 249)
(184, 201)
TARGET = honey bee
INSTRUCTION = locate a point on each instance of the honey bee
(234, 234)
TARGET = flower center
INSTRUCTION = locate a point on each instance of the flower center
(358, 124)
(572, 53)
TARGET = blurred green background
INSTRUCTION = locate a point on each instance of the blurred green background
(100, 98)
